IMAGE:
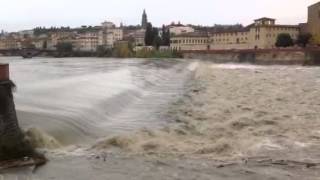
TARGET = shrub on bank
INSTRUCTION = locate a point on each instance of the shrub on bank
(157, 54)
(121, 50)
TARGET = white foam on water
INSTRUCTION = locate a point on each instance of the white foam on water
(235, 66)
(193, 66)
(267, 144)
(78, 92)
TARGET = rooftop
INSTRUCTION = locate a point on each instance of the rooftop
(193, 34)
(316, 4)
(265, 18)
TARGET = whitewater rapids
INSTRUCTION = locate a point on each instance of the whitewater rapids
(75, 101)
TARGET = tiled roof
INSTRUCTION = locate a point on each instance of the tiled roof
(265, 18)
(193, 34)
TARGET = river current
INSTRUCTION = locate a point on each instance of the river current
(79, 100)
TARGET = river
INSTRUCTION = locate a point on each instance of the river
(79, 100)
(233, 121)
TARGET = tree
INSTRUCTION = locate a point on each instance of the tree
(157, 41)
(44, 45)
(152, 36)
(149, 35)
(284, 40)
(122, 50)
(304, 39)
(64, 47)
(101, 51)
(131, 42)
(165, 36)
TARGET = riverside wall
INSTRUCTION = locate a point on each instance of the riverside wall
(264, 57)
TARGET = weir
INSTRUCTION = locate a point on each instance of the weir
(15, 150)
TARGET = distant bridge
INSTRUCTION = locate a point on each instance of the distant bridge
(24, 52)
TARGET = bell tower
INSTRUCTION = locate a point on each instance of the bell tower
(144, 21)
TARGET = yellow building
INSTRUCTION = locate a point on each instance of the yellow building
(109, 35)
(190, 41)
(87, 41)
(180, 29)
(262, 34)
(59, 37)
(230, 40)
(10, 42)
(314, 22)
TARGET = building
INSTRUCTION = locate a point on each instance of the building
(230, 40)
(87, 41)
(10, 42)
(108, 25)
(109, 35)
(26, 33)
(61, 37)
(41, 41)
(137, 35)
(144, 21)
(314, 22)
(190, 41)
(304, 28)
(180, 29)
(262, 34)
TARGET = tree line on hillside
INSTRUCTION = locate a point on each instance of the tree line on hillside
(43, 30)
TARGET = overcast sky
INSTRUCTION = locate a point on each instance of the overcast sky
(26, 14)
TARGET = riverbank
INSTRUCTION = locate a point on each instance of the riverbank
(259, 56)
(122, 52)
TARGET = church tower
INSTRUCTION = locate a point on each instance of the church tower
(144, 21)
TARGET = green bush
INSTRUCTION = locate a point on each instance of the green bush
(64, 47)
(284, 40)
(122, 51)
(157, 54)
(304, 39)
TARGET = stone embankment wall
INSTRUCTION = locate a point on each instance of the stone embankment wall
(265, 57)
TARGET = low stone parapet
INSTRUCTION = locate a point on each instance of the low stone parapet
(259, 56)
